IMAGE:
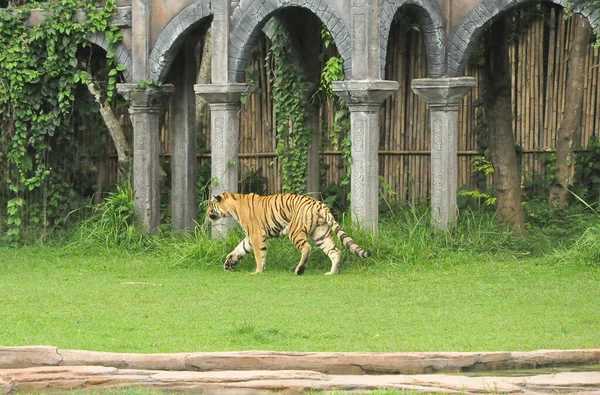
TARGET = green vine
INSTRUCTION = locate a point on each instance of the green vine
(290, 94)
(40, 72)
(339, 135)
(149, 83)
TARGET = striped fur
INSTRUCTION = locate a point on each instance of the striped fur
(264, 217)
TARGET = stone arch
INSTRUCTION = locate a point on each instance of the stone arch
(432, 26)
(465, 36)
(173, 34)
(122, 53)
(252, 20)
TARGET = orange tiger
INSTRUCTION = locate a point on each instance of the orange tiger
(264, 217)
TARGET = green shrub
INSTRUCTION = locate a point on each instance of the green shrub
(112, 222)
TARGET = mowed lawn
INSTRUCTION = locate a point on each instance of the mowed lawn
(115, 301)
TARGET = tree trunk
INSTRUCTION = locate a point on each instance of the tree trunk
(116, 133)
(497, 98)
(565, 135)
(112, 123)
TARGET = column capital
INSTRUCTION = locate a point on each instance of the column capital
(364, 95)
(146, 99)
(223, 93)
(443, 92)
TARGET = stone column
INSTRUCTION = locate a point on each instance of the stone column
(224, 102)
(140, 45)
(364, 99)
(184, 207)
(145, 108)
(444, 96)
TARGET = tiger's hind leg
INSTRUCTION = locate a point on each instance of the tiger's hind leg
(324, 240)
(298, 238)
(242, 249)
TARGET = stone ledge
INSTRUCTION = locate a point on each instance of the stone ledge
(351, 363)
(284, 381)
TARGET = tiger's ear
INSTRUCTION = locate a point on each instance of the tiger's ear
(218, 198)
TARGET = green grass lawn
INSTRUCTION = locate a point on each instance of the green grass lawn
(449, 300)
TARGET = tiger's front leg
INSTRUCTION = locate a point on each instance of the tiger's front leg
(242, 249)
(260, 252)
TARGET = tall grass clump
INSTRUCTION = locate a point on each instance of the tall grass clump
(407, 236)
(195, 249)
(586, 248)
(111, 223)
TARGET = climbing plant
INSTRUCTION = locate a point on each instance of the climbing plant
(334, 71)
(40, 72)
(339, 132)
(290, 105)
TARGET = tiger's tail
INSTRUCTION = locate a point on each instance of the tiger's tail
(343, 236)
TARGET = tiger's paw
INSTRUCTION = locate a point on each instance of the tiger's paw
(230, 263)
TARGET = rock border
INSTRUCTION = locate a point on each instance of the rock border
(252, 382)
(35, 368)
(354, 363)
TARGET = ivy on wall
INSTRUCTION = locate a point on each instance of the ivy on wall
(336, 195)
(39, 75)
(340, 133)
(290, 105)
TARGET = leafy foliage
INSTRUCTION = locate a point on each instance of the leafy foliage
(339, 135)
(587, 172)
(40, 74)
(483, 168)
(290, 101)
(111, 222)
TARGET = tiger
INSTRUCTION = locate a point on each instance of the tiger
(278, 215)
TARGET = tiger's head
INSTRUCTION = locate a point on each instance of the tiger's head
(218, 208)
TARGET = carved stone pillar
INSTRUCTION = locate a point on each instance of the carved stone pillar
(145, 108)
(364, 99)
(444, 96)
(224, 102)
